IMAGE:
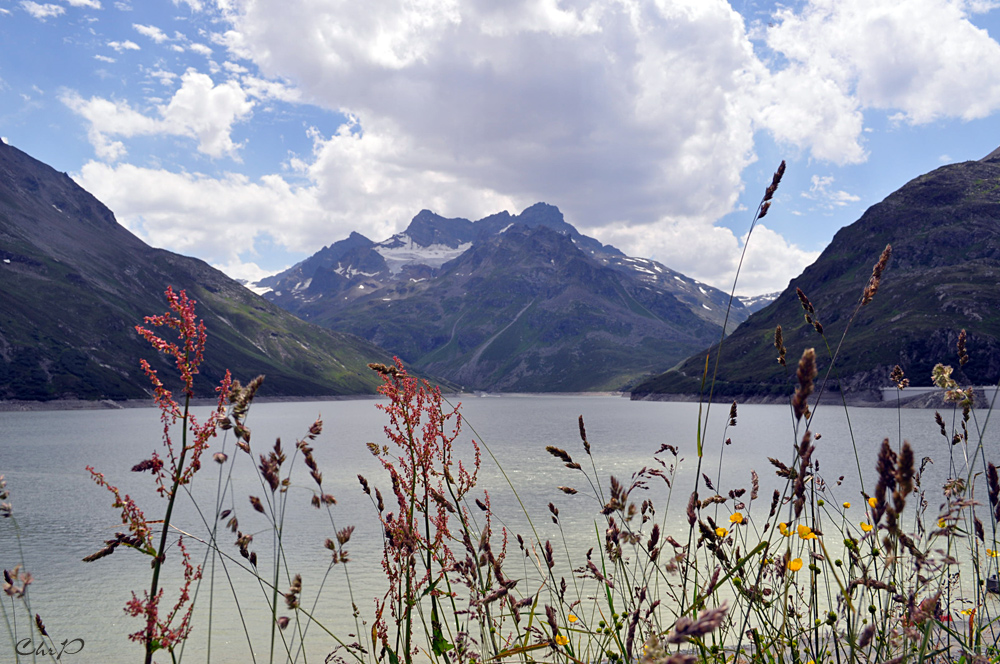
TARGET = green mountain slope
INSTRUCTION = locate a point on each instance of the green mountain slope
(944, 228)
(73, 283)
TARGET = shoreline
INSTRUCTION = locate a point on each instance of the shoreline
(23, 405)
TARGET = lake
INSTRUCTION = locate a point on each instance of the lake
(63, 516)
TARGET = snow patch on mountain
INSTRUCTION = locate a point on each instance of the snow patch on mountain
(400, 250)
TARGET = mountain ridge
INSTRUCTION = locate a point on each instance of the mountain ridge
(445, 294)
(75, 283)
(944, 228)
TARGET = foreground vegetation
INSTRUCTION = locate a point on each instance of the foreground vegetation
(901, 573)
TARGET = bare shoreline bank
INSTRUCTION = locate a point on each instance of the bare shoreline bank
(21, 405)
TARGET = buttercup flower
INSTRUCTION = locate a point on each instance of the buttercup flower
(795, 565)
(561, 640)
(783, 528)
(571, 618)
(736, 517)
(721, 532)
(806, 533)
(872, 502)
(847, 506)
(865, 526)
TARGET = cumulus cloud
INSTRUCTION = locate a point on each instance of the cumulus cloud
(90, 4)
(920, 61)
(201, 49)
(712, 254)
(637, 118)
(152, 32)
(199, 109)
(42, 11)
(122, 46)
(215, 218)
(104, 58)
(821, 190)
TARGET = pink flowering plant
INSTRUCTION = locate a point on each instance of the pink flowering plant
(166, 628)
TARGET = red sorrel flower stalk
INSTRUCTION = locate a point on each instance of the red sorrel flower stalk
(428, 485)
(177, 469)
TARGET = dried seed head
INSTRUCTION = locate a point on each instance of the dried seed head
(40, 625)
(963, 357)
(691, 506)
(866, 636)
(559, 453)
(806, 373)
(896, 376)
(583, 435)
(876, 277)
(686, 629)
(806, 305)
(779, 343)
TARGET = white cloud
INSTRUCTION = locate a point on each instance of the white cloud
(201, 49)
(636, 117)
(265, 90)
(711, 254)
(126, 45)
(171, 210)
(919, 61)
(91, 4)
(821, 190)
(199, 109)
(42, 11)
(568, 108)
(152, 32)
(5, 12)
(104, 58)
(165, 77)
(195, 5)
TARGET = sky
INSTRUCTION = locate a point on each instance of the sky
(251, 133)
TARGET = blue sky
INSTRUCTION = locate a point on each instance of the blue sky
(252, 133)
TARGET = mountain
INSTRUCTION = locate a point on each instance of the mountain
(757, 302)
(74, 283)
(944, 228)
(509, 302)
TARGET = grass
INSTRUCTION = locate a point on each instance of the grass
(796, 576)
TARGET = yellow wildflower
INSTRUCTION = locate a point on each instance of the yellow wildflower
(561, 640)
(721, 532)
(795, 565)
(942, 523)
(872, 502)
(865, 526)
(736, 517)
(967, 612)
(783, 528)
(805, 532)
(847, 506)
(571, 618)
(991, 553)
